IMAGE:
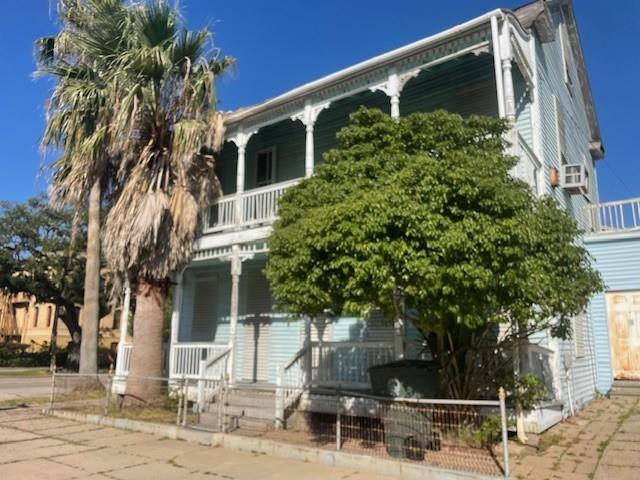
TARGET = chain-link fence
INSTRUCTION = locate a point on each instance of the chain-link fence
(151, 399)
(452, 434)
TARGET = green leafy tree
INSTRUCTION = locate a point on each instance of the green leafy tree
(40, 254)
(421, 215)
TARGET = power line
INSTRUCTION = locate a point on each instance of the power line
(606, 162)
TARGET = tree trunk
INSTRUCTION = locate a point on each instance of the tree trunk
(146, 355)
(91, 307)
(70, 319)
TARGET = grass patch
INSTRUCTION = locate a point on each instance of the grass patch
(549, 440)
(144, 413)
(16, 402)
(29, 372)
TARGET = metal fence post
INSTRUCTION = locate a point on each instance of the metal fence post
(107, 397)
(338, 421)
(180, 400)
(280, 397)
(185, 403)
(53, 387)
(201, 386)
(503, 420)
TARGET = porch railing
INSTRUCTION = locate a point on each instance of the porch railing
(347, 363)
(187, 358)
(617, 216)
(290, 382)
(253, 207)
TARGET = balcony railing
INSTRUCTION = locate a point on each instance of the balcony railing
(612, 217)
(253, 207)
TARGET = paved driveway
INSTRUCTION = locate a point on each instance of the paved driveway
(37, 447)
(602, 442)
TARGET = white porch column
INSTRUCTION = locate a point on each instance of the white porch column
(497, 64)
(236, 271)
(175, 318)
(308, 117)
(506, 55)
(240, 139)
(124, 326)
(393, 86)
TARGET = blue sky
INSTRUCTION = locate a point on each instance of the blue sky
(281, 44)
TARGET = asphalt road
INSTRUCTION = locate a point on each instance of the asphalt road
(15, 387)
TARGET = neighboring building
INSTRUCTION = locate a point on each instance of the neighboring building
(525, 65)
(25, 320)
(614, 242)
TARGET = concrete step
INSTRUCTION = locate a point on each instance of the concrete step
(254, 424)
(209, 420)
(248, 399)
(626, 383)
(625, 391)
(265, 413)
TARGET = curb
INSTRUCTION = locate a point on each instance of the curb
(401, 470)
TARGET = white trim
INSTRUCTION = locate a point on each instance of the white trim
(497, 64)
(380, 61)
(217, 240)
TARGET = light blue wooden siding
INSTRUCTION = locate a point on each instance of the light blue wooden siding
(288, 139)
(618, 261)
(523, 107)
(466, 86)
(213, 327)
(285, 341)
(226, 163)
(551, 84)
(285, 337)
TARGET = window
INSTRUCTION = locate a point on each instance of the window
(579, 322)
(566, 56)
(49, 315)
(35, 317)
(560, 132)
(265, 167)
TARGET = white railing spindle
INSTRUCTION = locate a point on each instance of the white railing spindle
(617, 216)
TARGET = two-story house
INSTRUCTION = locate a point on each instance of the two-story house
(525, 65)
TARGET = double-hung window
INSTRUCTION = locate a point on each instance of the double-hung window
(265, 167)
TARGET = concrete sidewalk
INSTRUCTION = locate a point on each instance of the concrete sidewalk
(33, 446)
(602, 442)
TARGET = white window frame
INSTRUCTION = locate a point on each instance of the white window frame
(274, 159)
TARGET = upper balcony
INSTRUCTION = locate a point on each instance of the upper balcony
(255, 207)
(621, 216)
(484, 68)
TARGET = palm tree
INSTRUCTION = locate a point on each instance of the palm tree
(77, 128)
(165, 130)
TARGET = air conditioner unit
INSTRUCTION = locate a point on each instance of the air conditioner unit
(575, 179)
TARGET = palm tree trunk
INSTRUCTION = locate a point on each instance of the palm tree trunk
(146, 358)
(91, 307)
